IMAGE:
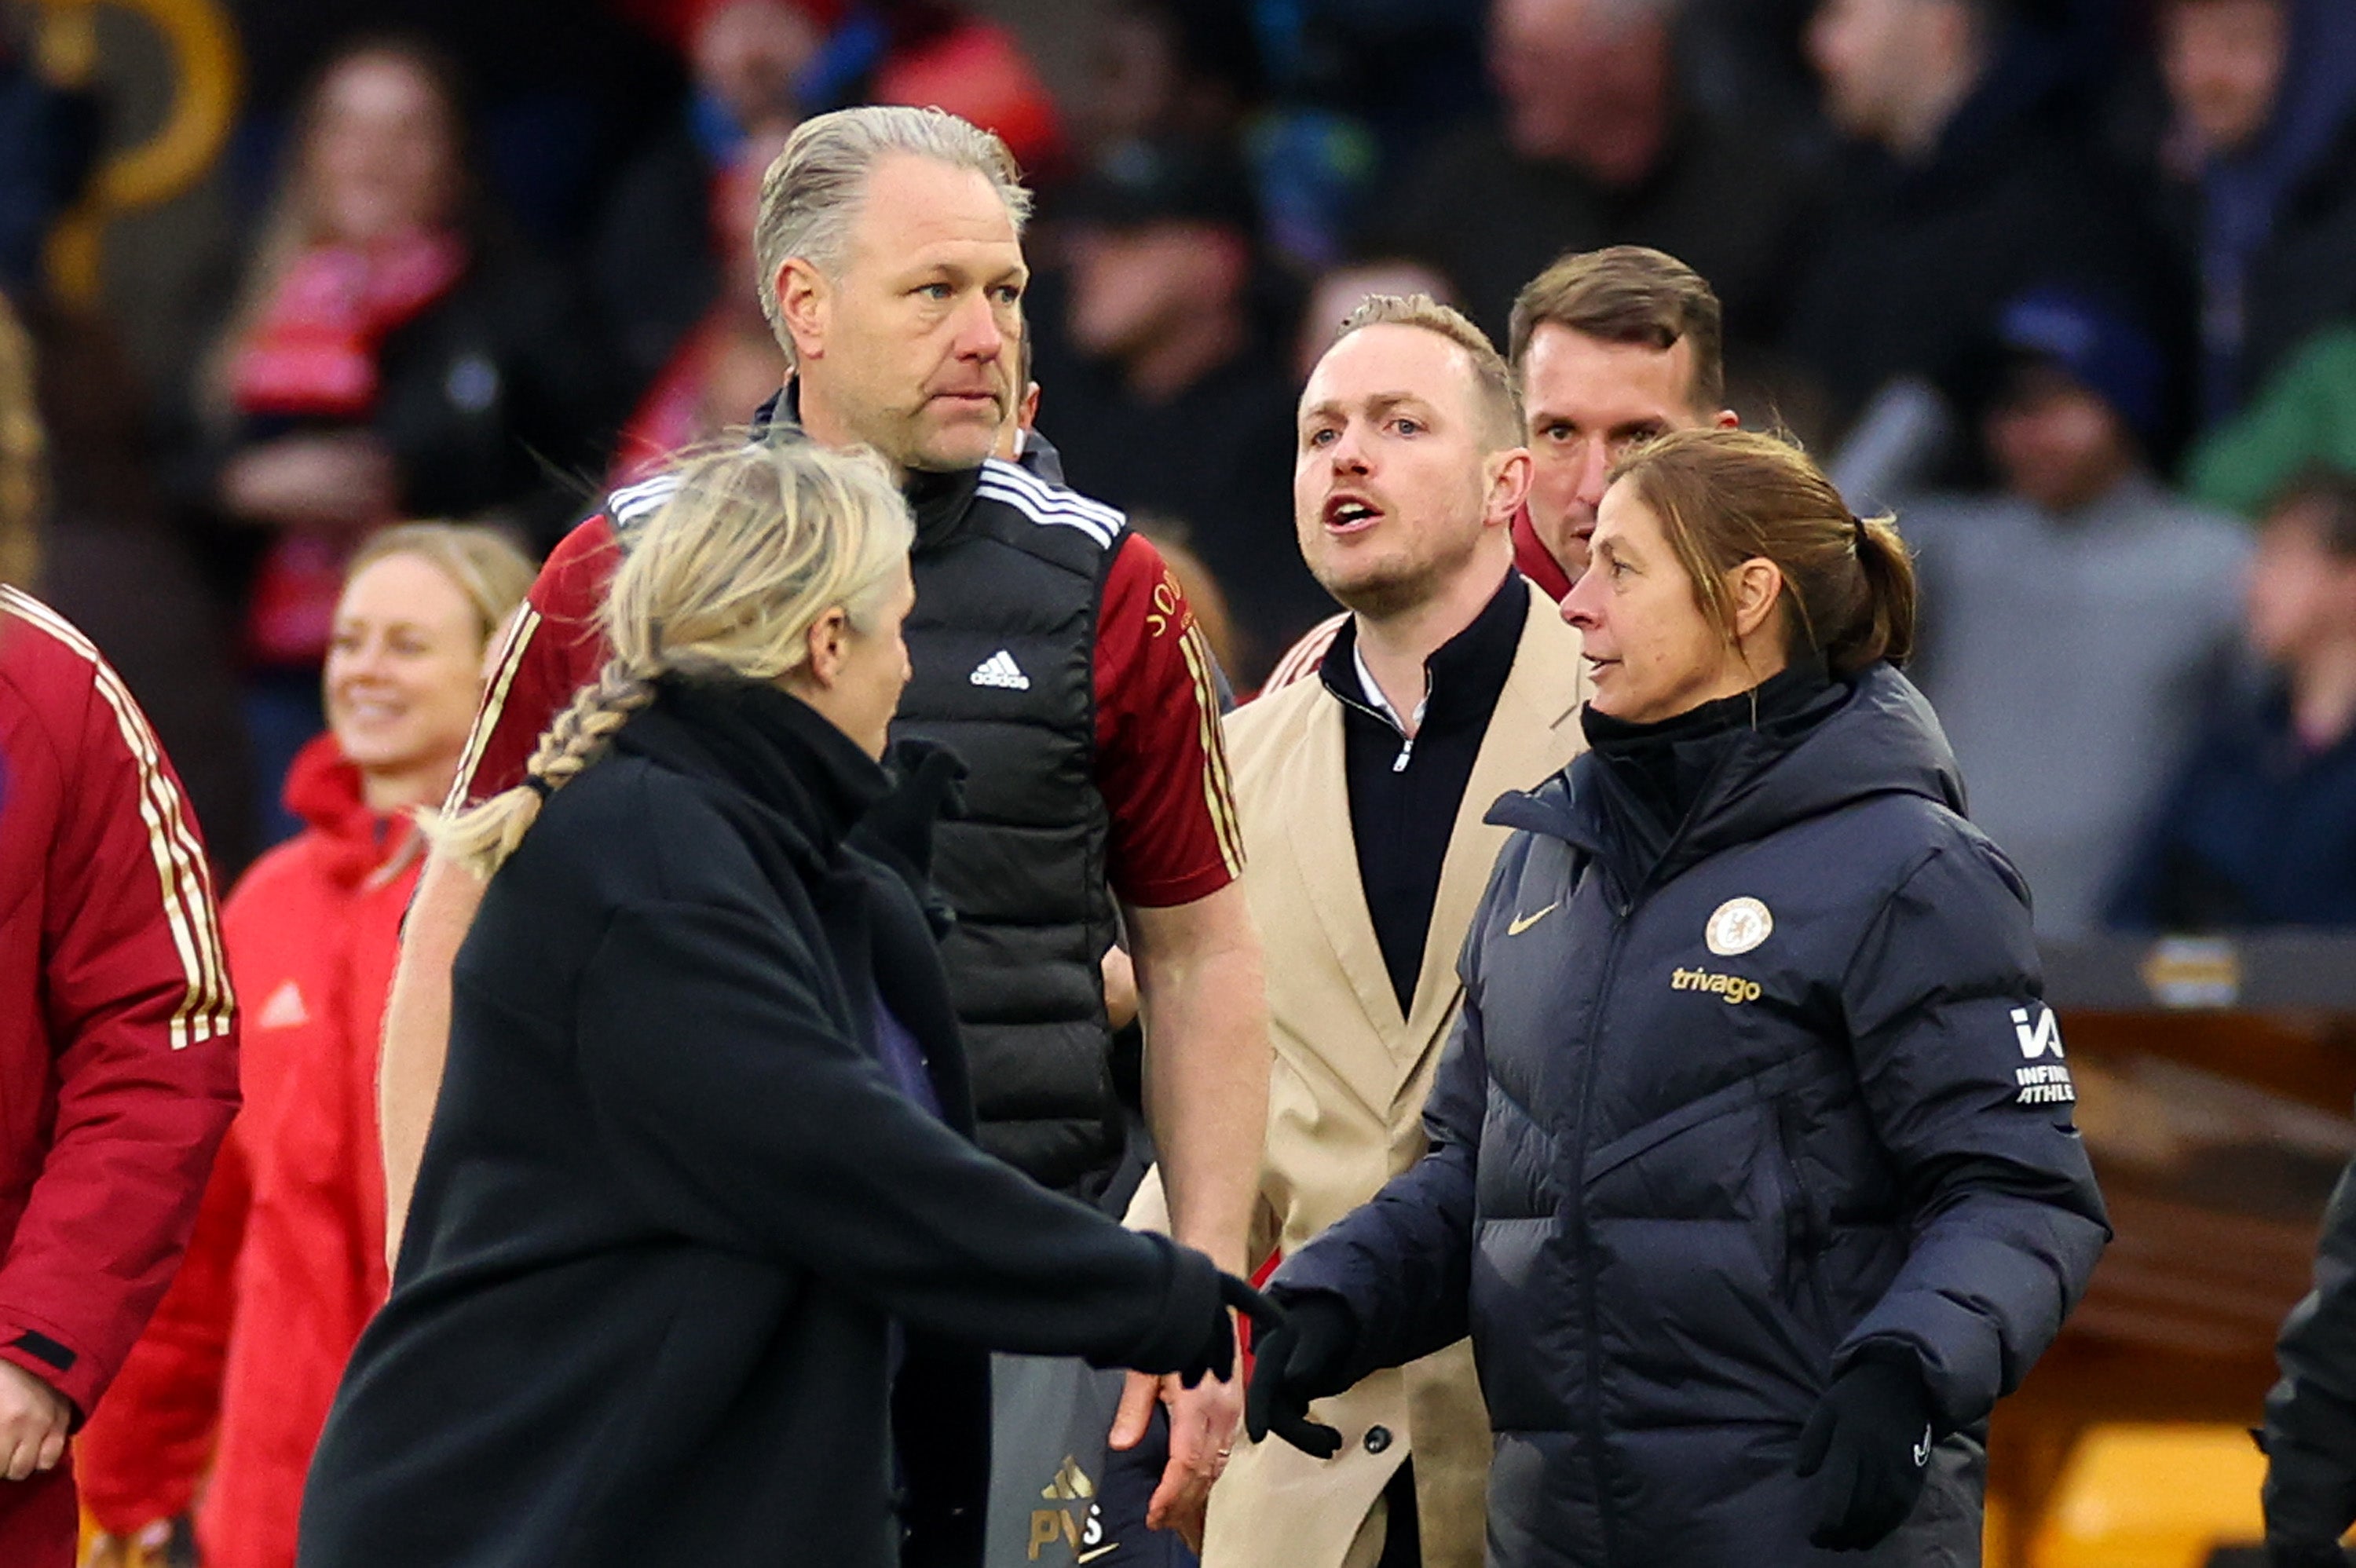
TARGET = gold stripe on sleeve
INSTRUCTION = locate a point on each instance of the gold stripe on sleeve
(185, 877)
(1218, 793)
(521, 627)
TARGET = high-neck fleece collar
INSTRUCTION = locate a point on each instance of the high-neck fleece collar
(770, 745)
(1663, 769)
(1463, 675)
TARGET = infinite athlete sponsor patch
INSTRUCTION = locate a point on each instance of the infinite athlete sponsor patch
(2039, 1034)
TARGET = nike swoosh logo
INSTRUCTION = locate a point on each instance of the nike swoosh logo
(1923, 1450)
(1527, 921)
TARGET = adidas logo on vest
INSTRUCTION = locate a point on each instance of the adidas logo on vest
(1000, 670)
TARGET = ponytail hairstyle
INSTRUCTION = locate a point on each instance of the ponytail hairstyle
(757, 543)
(1725, 497)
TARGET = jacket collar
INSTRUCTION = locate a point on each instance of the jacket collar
(940, 501)
(324, 790)
(800, 776)
(1533, 726)
(1882, 738)
(1537, 562)
(1463, 675)
(1652, 776)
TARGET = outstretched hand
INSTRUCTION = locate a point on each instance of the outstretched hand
(927, 787)
(1303, 1359)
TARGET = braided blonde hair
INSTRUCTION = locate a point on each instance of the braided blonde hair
(726, 580)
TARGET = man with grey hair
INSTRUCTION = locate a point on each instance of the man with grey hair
(1051, 648)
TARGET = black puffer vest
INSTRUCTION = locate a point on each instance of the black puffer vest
(1010, 573)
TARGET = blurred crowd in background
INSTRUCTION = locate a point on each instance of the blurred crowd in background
(2070, 284)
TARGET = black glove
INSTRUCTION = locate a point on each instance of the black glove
(1216, 1357)
(1302, 1360)
(2310, 1500)
(1868, 1446)
(927, 784)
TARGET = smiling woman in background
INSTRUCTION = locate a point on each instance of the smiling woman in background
(238, 1368)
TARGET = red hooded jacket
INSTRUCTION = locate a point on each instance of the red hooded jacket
(118, 1059)
(243, 1357)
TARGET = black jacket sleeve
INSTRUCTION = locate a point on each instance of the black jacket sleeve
(2310, 1432)
(1964, 1080)
(739, 1113)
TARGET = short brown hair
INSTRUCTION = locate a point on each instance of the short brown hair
(1725, 497)
(1493, 382)
(1629, 294)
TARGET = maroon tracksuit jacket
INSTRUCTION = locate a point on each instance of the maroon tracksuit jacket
(118, 1062)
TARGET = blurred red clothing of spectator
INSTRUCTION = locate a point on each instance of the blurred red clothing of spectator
(729, 362)
(977, 70)
(291, 1243)
(933, 53)
(118, 1061)
(676, 21)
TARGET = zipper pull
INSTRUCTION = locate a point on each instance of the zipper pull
(1407, 753)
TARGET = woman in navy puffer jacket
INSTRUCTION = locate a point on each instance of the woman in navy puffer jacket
(1752, 1173)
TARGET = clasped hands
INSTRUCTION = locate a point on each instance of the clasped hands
(1204, 1399)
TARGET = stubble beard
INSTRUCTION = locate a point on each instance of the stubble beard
(1397, 586)
(938, 447)
(1386, 592)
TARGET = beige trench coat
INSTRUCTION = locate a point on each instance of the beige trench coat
(1345, 1098)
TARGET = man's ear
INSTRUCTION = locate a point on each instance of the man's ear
(1509, 473)
(1725, 418)
(802, 292)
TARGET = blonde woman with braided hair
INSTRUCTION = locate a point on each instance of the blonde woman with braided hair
(700, 1195)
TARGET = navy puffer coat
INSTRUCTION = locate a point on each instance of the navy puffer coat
(1715, 1121)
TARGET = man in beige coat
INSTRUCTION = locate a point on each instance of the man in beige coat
(1360, 790)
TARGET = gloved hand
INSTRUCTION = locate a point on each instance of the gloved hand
(1867, 1446)
(927, 784)
(1302, 1360)
(1216, 1357)
(2310, 1500)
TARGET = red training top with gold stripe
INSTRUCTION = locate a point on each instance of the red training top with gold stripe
(118, 1064)
(1161, 764)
